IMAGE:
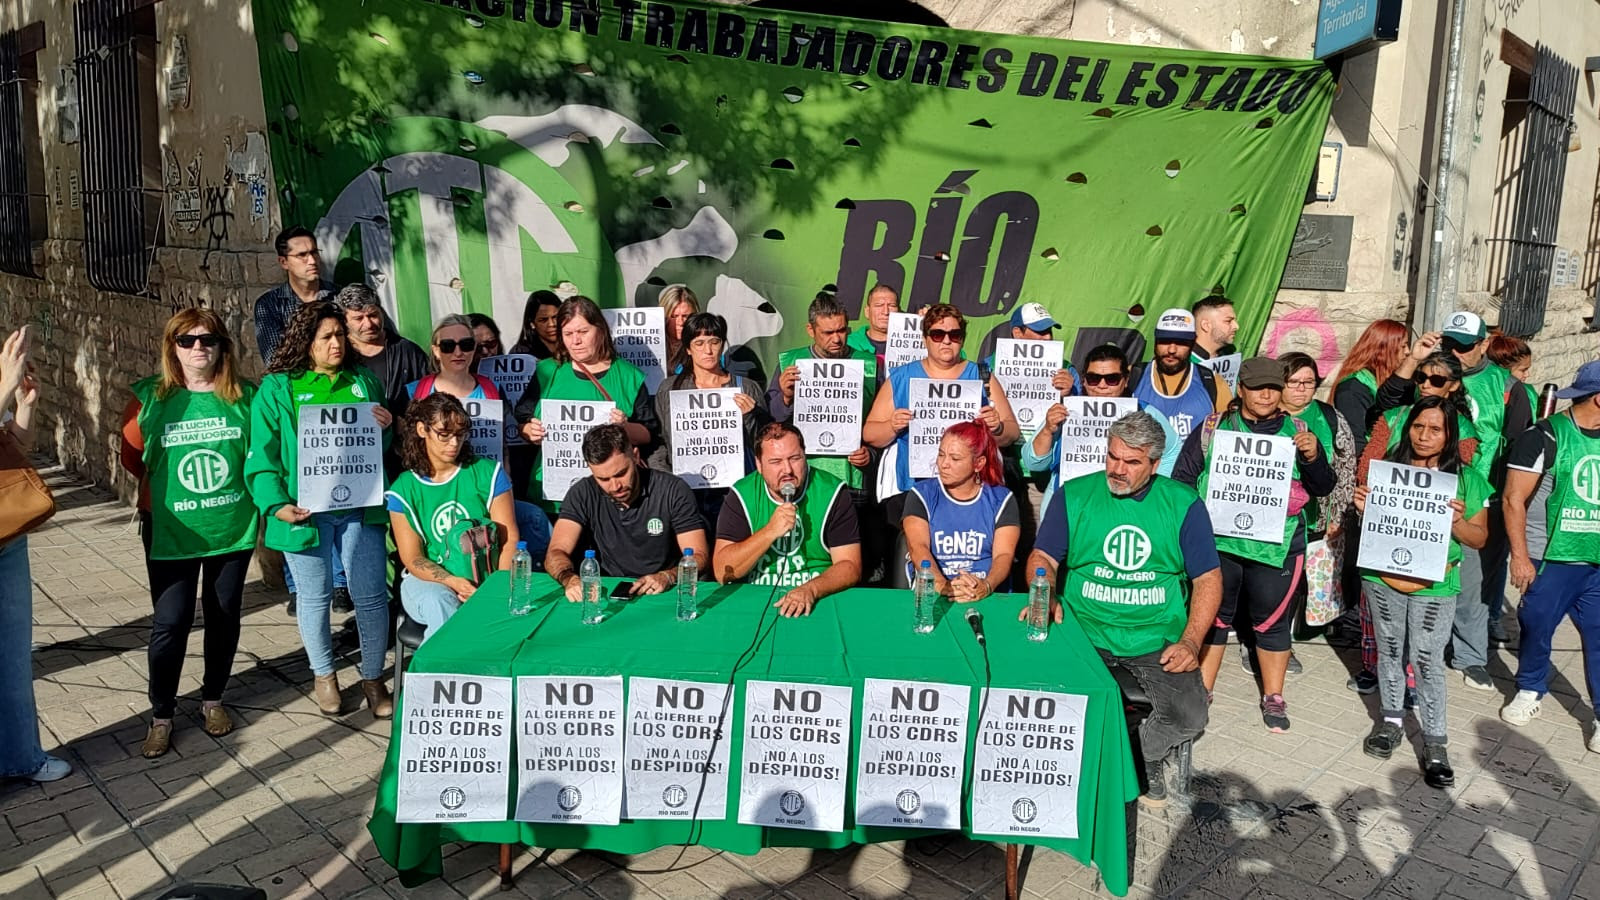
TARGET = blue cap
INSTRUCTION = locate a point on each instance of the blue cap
(588, 554)
(522, 545)
(688, 551)
(1586, 383)
(1038, 572)
(1034, 317)
(927, 564)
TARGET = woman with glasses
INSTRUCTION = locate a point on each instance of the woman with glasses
(538, 337)
(313, 365)
(445, 488)
(185, 436)
(1105, 374)
(944, 330)
(487, 335)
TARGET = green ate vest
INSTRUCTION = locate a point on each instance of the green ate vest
(1573, 510)
(560, 381)
(1126, 582)
(432, 508)
(1315, 418)
(194, 451)
(1486, 397)
(1260, 551)
(789, 562)
(1473, 491)
(1482, 460)
(838, 466)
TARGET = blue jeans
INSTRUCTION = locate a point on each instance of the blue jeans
(427, 603)
(362, 550)
(1559, 591)
(533, 528)
(20, 753)
(340, 580)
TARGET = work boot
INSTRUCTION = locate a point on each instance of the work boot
(378, 698)
(326, 690)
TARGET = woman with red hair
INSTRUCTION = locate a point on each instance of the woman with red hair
(964, 520)
(1376, 375)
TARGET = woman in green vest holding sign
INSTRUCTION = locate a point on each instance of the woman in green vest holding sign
(185, 436)
(314, 366)
(1419, 614)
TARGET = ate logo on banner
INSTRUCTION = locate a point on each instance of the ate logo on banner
(1127, 547)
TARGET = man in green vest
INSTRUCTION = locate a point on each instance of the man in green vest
(788, 524)
(1500, 412)
(1563, 579)
(829, 330)
(1143, 579)
(874, 334)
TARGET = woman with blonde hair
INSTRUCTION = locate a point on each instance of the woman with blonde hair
(185, 436)
(678, 303)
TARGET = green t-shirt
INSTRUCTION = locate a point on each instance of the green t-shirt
(432, 508)
(1474, 492)
(1126, 581)
(838, 466)
(560, 381)
(788, 562)
(194, 452)
(1572, 513)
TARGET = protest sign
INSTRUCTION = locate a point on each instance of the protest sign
(707, 437)
(640, 336)
(1082, 439)
(913, 754)
(1026, 369)
(511, 374)
(936, 404)
(1226, 368)
(828, 397)
(904, 344)
(796, 755)
(488, 427)
(569, 749)
(455, 749)
(677, 759)
(1247, 489)
(1406, 528)
(565, 424)
(1025, 768)
(341, 457)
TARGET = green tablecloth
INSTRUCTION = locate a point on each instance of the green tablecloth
(852, 636)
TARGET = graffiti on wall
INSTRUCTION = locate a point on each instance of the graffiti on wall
(1307, 331)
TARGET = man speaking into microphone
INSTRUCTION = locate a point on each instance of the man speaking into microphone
(1142, 578)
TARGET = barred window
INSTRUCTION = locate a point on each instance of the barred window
(23, 215)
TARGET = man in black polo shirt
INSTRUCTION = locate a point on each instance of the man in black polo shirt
(638, 520)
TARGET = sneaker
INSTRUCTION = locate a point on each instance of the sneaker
(341, 601)
(289, 607)
(1155, 793)
(1294, 664)
(1522, 709)
(1477, 678)
(1275, 713)
(1245, 662)
(1436, 769)
(52, 770)
(1363, 682)
(1594, 742)
(1383, 740)
(1497, 632)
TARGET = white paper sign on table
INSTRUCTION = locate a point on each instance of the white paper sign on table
(1406, 528)
(1247, 492)
(488, 427)
(796, 755)
(1026, 369)
(569, 749)
(913, 753)
(341, 457)
(1082, 438)
(565, 424)
(707, 437)
(677, 757)
(1026, 764)
(455, 749)
(511, 373)
(1225, 367)
(904, 343)
(828, 396)
(936, 404)
(640, 336)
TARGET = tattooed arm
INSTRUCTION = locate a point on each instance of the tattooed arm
(416, 561)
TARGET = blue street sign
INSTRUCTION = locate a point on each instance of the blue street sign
(1348, 26)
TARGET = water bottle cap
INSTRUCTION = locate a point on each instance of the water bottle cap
(1038, 572)
(522, 545)
(688, 551)
(588, 554)
(927, 564)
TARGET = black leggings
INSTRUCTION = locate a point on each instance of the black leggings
(1260, 595)
(173, 583)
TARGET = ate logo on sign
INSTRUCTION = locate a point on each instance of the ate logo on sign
(1127, 547)
(202, 471)
(1586, 479)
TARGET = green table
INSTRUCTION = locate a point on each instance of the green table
(859, 634)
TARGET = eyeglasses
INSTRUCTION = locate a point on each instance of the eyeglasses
(187, 341)
(1437, 381)
(448, 437)
(1301, 383)
(450, 345)
(941, 335)
(1111, 378)
(304, 254)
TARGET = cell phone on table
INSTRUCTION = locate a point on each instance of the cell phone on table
(623, 590)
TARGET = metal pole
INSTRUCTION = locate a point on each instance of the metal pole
(1444, 262)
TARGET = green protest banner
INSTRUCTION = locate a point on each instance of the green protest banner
(461, 153)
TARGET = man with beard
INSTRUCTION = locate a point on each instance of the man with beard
(1214, 327)
(1143, 579)
(1179, 388)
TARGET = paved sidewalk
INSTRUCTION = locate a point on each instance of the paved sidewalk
(282, 803)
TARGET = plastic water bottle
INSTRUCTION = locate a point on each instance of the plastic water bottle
(1038, 606)
(688, 581)
(589, 579)
(925, 597)
(522, 581)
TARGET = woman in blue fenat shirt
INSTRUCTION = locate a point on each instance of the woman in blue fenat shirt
(964, 519)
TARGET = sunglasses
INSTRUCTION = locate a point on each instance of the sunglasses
(941, 335)
(1097, 378)
(450, 345)
(187, 341)
(1437, 381)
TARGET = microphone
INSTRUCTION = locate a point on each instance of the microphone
(787, 490)
(975, 622)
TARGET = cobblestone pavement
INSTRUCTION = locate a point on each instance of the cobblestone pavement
(282, 803)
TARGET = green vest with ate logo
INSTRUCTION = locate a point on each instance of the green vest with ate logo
(432, 508)
(789, 562)
(1126, 581)
(1573, 510)
(194, 451)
